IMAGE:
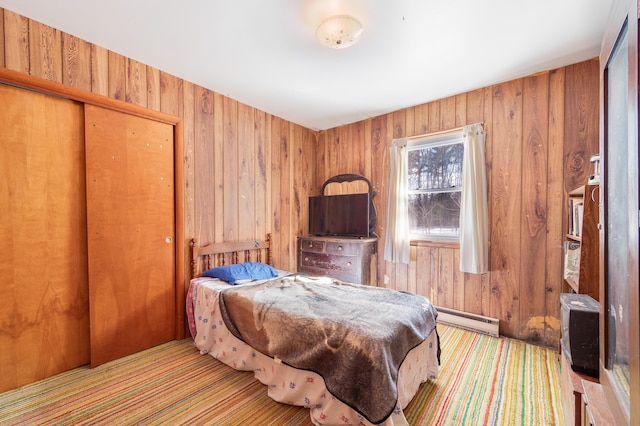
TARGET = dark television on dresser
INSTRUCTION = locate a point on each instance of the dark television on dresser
(344, 215)
(579, 316)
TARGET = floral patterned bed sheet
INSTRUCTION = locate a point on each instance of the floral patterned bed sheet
(286, 384)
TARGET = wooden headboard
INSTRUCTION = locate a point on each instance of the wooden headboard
(227, 253)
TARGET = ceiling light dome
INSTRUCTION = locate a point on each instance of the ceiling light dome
(339, 31)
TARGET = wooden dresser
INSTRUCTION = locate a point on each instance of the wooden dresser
(343, 258)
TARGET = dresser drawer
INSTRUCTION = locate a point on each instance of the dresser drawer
(346, 259)
(331, 263)
(338, 275)
(342, 248)
(312, 245)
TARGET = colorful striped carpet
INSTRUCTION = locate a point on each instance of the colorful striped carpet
(483, 381)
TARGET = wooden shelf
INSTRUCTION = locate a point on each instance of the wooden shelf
(586, 234)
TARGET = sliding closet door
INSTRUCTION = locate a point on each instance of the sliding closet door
(44, 307)
(130, 231)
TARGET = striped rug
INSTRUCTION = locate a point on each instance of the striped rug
(483, 381)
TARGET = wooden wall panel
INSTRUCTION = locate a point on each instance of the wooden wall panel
(554, 205)
(204, 156)
(153, 89)
(76, 62)
(246, 168)
(171, 94)
(535, 141)
(505, 233)
(178, 99)
(16, 42)
(540, 132)
(230, 169)
(581, 128)
(117, 78)
(289, 163)
(136, 83)
(99, 70)
(45, 52)
(217, 168)
(235, 157)
(261, 176)
(285, 158)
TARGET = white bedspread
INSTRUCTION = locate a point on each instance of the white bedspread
(289, 385)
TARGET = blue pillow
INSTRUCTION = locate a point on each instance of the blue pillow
(241, 271)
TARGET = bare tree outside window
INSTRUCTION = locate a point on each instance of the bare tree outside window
(434, 176)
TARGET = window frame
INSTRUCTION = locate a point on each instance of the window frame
(433, 141)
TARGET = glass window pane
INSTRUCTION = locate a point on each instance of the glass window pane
(435, 167)
(435, 214)
(619, 208)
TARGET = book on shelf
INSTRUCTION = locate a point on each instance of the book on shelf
(578, 211)
(571, 260)
(571, 216)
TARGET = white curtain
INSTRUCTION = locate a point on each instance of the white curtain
(396, 245)
(474, 226)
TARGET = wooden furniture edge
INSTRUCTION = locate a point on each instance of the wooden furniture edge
(227, 252)
(596, 404)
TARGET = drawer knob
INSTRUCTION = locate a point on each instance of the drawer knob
(306, 259)
(348, 263)
(339, 248)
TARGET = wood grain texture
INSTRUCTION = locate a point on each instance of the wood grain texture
(153, 89)
(363, 146)
(171, 95)
(216, 218)
(185, 101)
(535, 142)
(2, 49)
(16, 42)
(136, 83)
(554, 205)
(246, 167)
(230, 170)
(76, 62)
(131, 233)
(45, 52)
(117, 76)
(205, 156)
(506, 185)
(43, 253)
(261, 173)
(276, 195)
(581, 127)
(285, 159)
(99, 70)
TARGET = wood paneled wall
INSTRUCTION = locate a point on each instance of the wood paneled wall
(541, 131)
(248, 173)
(245, 171)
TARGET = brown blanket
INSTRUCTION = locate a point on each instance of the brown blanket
(354, 336)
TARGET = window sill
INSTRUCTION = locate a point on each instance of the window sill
(434, 243)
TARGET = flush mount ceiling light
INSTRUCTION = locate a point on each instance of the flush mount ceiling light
(339, 31)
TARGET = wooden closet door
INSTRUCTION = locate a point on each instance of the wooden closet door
(130, 233)
(44, 295)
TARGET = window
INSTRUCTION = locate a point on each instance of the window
(434, 186)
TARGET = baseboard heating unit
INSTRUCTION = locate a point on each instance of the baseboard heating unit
(473, 322)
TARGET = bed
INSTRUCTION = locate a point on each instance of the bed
(313, 341)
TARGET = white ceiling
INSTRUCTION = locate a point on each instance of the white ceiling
(263, 52)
